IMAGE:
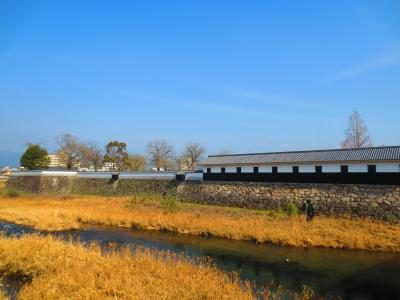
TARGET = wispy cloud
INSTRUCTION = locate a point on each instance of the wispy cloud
(256, 98)
(389, 58)
(216, 107)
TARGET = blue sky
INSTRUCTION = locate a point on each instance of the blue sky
(243, 76)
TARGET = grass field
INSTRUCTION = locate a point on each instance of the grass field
(156, 213)
(67, 270)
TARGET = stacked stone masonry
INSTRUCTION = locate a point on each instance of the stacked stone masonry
(377, 201)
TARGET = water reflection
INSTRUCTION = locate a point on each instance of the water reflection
(350, 274)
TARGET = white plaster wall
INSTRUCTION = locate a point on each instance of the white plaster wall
(307, 169)
(387, 167)
(59, 173)
(285, 169)
(330, 168)
(230, 170)
(265, 169)
(194, 177)
(247, 170)
(216, 170)
(353, 168)
(358, 168)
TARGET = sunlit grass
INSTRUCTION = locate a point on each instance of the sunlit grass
(67, 270)
(151, 212)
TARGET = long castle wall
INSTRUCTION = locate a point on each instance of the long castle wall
(377, 201)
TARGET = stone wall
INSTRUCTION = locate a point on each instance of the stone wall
(40, 184)
(378, 201)
(122, 187)
(94, 186)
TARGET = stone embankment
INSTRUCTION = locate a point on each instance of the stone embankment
(377, 201)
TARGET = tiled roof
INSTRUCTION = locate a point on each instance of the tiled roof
(372, 154)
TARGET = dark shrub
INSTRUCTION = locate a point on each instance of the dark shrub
(11, 193)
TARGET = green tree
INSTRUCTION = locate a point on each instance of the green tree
(116, 154)
(35, 158)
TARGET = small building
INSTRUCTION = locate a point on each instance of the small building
(56, 162)
(374, 165)
(6, 171)
(109, 166)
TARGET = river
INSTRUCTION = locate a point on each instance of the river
(346, 273)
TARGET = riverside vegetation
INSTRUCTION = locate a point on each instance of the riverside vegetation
(53, 268)
(70, 270)
(155, 212)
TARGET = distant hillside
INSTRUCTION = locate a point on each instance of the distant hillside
(9, 158)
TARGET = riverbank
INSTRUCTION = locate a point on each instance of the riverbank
(68, 270)
(380, 202)
(64, 212)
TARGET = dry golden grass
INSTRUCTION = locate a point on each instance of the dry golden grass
(52, 213)
(67, 270)
(3, 296)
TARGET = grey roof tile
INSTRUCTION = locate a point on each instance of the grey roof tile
(372, 154)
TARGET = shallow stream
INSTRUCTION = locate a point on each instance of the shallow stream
(345, 273)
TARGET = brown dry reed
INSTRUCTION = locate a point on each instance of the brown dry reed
(148, 212)
(69, 270)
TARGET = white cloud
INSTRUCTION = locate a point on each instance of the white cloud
(389, 58)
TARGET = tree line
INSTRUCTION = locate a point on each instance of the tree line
(160, 153)
(72, 151)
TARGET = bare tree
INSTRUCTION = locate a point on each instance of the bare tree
(160, 153)
(70, 150)
(193, 153)
(92, 154)
(179, 163)
(135, 163)
(357, 133)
